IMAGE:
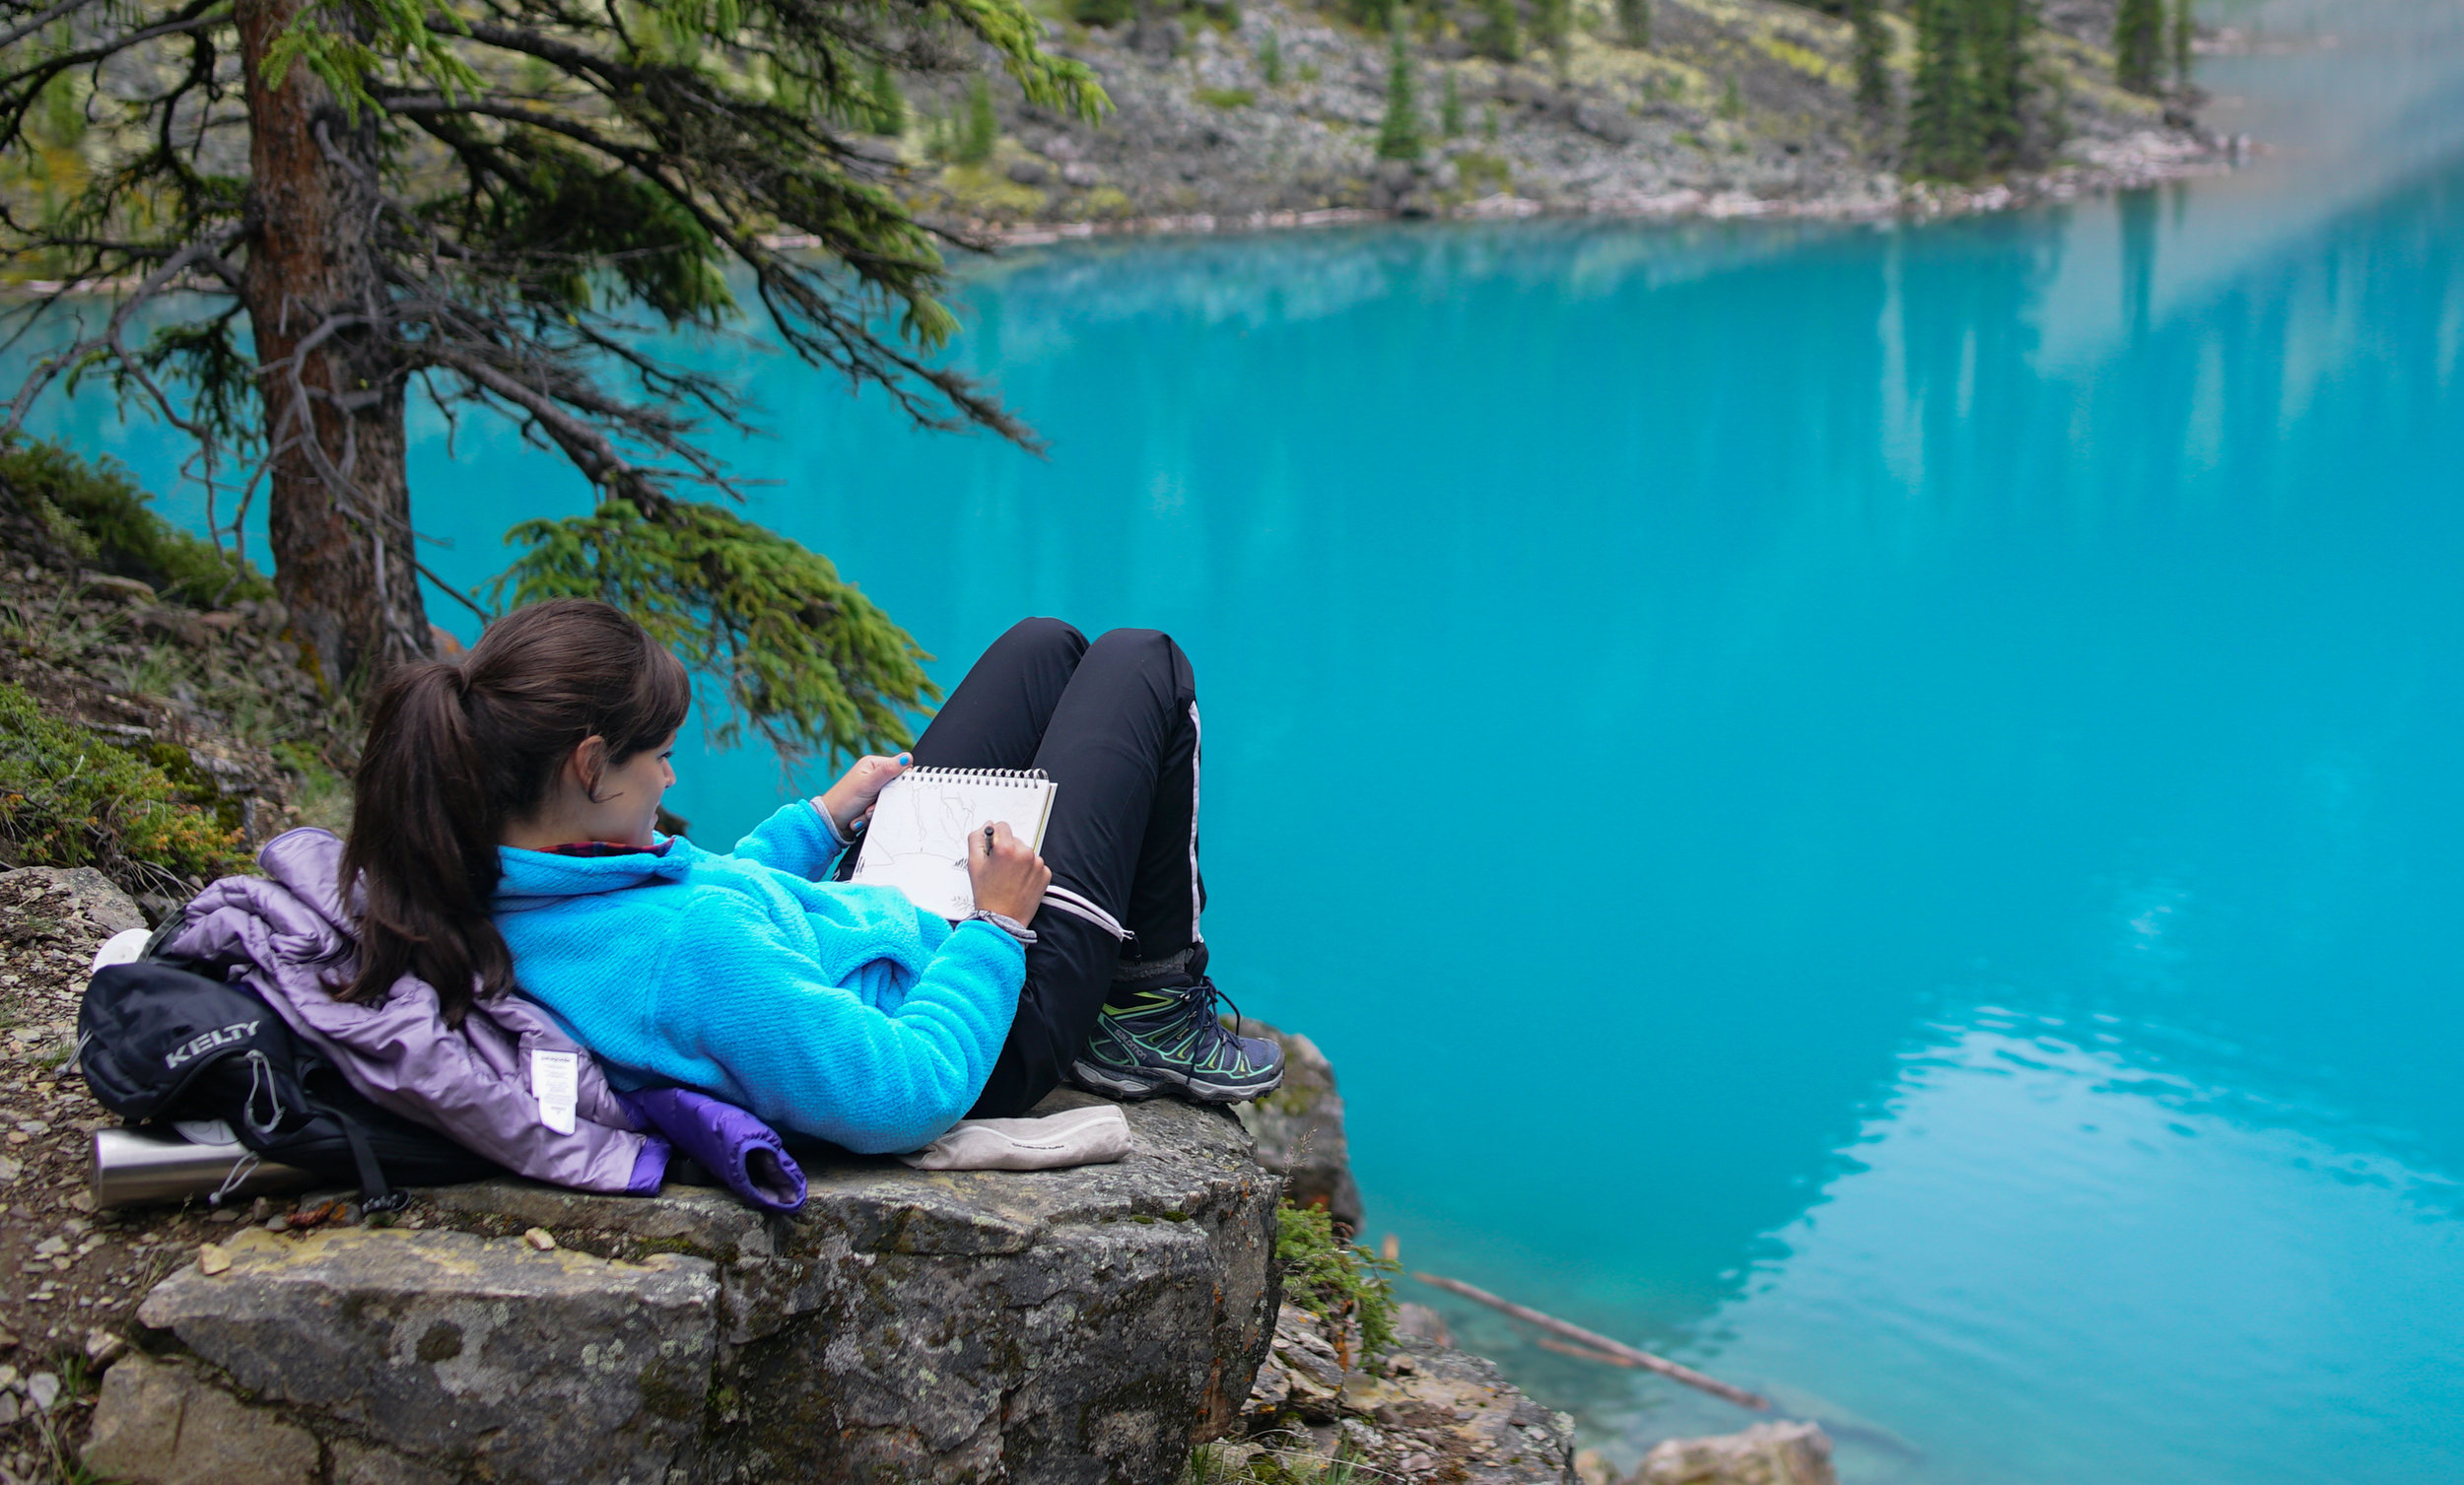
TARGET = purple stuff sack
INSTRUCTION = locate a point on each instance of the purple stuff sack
(745, 1154)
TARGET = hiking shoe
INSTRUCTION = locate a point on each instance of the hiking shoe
(1169, 1037)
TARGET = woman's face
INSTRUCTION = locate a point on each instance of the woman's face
(629, 793)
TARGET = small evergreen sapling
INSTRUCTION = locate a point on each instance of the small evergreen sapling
(1399, 133)
(2139, 45)
(1634, 22)
(1449, 109)
(1499, 37)
(982, 128)
(889, 106)
(1871, 44)
(2185, 30)
(1943, 134)
(1271, 60)
(1552, 26)
(1998, 32)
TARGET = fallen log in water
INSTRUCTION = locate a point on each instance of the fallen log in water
(1599, 1347)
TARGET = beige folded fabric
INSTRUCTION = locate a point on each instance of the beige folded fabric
(1076, 1138)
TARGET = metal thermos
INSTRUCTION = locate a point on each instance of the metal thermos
(156, 1164)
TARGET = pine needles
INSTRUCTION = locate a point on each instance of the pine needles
(799, 654)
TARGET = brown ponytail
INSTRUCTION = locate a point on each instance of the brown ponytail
(458, 751)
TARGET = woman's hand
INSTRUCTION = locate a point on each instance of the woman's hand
(1008, 878)
(852, 797)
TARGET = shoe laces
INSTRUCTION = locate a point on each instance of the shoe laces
(1202, 1001)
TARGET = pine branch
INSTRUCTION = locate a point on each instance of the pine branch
(815, 667)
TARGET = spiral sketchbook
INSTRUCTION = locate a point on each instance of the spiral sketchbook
(922, 826)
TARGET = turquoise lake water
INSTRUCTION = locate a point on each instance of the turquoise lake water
(1871, 808)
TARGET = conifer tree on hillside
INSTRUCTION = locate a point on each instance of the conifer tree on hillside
(1634, 22)
(1871, 42)
(2186, 30)
(1552, 26)
(2139, 45)
(889, 106)
(1399, 133)
(1499, 36)
(327, 207)
(983, 129)
(1944, 141)
(1998, 32)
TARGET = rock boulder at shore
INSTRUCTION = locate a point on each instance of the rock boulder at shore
(1081, 1325)
(1767, 1453)
(1299, 1131)
(1422, 1411)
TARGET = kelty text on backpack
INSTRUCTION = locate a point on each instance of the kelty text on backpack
(237, 1030)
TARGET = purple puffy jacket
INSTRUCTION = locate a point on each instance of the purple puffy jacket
(472, 1083)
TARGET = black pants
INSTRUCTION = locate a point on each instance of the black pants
(1114, 725)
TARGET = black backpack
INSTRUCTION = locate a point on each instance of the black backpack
(159, 1042)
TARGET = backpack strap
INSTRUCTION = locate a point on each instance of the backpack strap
(376, 1195)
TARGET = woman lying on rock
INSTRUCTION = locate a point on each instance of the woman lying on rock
(503, 841)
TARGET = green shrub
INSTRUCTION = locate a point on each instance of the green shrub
(1482, 173)
(69, 798)
(984, 127)
(888, 114)
(99, 514)
(1226, 98)
(1335, 1280)
(1103, 12)
(1498, 36)
(1271, 60)
(1634, 22)
(1399, 133)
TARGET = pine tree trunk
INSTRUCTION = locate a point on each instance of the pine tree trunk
(339, 511)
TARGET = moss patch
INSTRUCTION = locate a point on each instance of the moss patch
(70, 798)
(981, 191)
(95, 512)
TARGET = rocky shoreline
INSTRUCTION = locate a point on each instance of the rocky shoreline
(1267, 116)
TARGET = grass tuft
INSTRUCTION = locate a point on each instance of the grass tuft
(70, 798)
(1336, 1281)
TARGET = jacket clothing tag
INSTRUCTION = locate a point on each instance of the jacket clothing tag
(556, 1080)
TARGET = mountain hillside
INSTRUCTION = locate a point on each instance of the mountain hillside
(1259, 113)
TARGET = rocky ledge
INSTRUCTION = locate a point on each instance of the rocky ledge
(1077, 1326)
(1066, 1325)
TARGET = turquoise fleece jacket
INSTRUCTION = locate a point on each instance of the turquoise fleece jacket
(840, 1011)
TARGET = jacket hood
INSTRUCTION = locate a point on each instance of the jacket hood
(538, 878)
(308, 861)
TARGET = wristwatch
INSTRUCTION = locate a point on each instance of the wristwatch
(1004, 923)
